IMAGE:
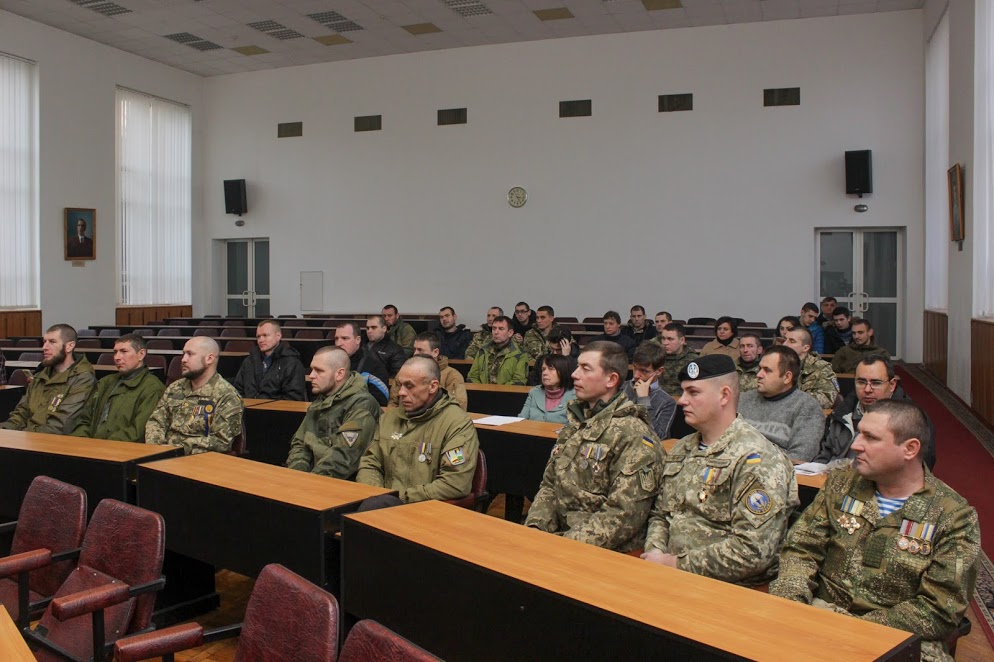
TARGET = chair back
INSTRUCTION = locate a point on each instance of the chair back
(30, 356)
(239, 346)
(28, 342)
(205, 331)
(286, 317)
(288, 618)
(701, 321)
(159, 343)
(310, 334)
(109, 333)
(156, 361)
(175, 370)
(478, 496)
(238, 321)
(91, 343)
(18, 378)
(106, 359)
(166, 331)
(85, 333)
(232, 332)
(369, 641)
(144, 332)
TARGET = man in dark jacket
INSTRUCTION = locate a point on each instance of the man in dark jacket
(272, 369)
(455, 338)
(639, 328)
(612, 333)
(366, 363)
(839, 333)
(390, 353)
(523, 319)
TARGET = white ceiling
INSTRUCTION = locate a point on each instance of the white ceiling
(141, 26)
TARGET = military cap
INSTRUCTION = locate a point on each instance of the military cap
(706, 367)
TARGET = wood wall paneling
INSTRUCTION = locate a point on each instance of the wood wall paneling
(982, 368)
(20, 323)
(138, 315)
(936, 344)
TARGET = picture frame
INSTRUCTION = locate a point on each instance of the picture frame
(79, 233)
(957, 227)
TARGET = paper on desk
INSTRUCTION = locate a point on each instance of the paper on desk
(811, 468)
(498, 420)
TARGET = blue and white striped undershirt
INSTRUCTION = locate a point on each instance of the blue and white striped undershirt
(887, 506)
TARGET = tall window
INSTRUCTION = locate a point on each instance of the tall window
(983, 162)
(936, 163)
(154, 199)
(19, 273)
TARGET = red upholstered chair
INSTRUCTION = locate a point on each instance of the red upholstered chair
(28, 342)
(478, 497)
(206, 331)
(369, 641)
(106, 359)
(49, 527)
(85, 333)
(111, 593)
(156, 361)
(18, 378)
(159, 343)
(175, 370)
(288, 618)
(240, 332)
(239, 346)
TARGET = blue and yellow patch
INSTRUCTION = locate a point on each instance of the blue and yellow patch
(648, 442)
(754, 458)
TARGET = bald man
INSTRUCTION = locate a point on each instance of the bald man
(200, 412)
(341, 421)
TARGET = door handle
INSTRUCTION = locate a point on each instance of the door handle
(864, 304)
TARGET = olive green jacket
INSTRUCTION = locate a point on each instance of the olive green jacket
(509, 365)
(336, 431)
(53, 400)
(120, 407)
(403, 334)
(430, 454)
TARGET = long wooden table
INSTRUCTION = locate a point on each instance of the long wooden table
(12, 646)
(269, 428)
(465, 586)
(242, 515)
(506, 400)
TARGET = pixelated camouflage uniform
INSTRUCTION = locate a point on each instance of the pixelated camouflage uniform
(181, 417)
(53, 400)
(336, 431)
(866, 574)
(736, 532)
(606, 501)
(818, 379)
(747, 376)
(535, 344)
(480, 338)
(672, 365)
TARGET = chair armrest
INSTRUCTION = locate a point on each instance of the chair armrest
(8, 527)
(158, 643)
(84, 602)
(25, 562)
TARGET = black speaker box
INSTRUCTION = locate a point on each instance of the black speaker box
(234, 197)
(859, 172)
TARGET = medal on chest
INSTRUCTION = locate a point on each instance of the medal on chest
(593, 454)
(424, 452)
(852, 508)
(916, 537)
(709, 483)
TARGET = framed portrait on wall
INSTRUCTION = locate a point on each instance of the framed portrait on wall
(80, 233)
(957, 228)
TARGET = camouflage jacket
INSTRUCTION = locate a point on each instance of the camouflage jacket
(120, 407)
(430, 454)
(847, 358)
(818, 379)
(403, 334)
(672, 365)
(208, 419)
(504, 366)
(534, 343)
(858, 564)
(53, 400)
(480, 338)
(747, 376)
(723, 511)
(450, 379)
(336, 431)
(601, 479)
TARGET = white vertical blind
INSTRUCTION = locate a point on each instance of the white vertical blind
(983, 162)
(19, 272)
(154, 194)
(936, 164)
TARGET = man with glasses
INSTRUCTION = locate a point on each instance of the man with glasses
(875, 381)
(523, 320)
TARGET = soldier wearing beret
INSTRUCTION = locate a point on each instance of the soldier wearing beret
(603, 475)
(726, 491)
(885, 540)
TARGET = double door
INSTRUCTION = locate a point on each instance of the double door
(247, 281)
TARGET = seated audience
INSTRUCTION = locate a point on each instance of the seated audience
(560, 341)
(500, 361)
(455, 338)
(828, 306)
(784, 414)
(60, 388)
(482, 337)
(639, 328)
(886, 541)
(750, 350)
(536, 339)
(785, 324)
(428, 344)
(678, 355)
(398, 330)
(809, 320)
(122, 403)
(382, 347)
(524, 319)
(859, 347)
(367, 364)
(644, 390)
(612, 333)
(547, 402)
(339, 424)
(425, 449)
(601, 479)
(839, 333)
(726, 330)
(660, 321)
(726, 492)
(272, 369)
(201, 411)
(817, 377)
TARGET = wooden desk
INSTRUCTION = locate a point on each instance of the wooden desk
(515, 593)
(269, 428)
(243, 515)
(12, 646)
(496, 399)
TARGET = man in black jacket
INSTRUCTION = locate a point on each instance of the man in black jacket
(361, 360)
(455, 338)
(390, 353)
(272, 369)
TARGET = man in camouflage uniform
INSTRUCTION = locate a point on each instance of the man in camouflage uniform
(398, 330)
(200, 412)
(500, 361)
(817, 376)
(425, 449)
(750, 353)
(847, 358)
(678, 355)
(482, 337)
(57, 392)
(123, 402)
(339, 424)
(601, 479)
(536, 340)
(726, 492)
(912, 569)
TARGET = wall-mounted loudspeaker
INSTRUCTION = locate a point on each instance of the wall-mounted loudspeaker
(234, 197)
(859, 173)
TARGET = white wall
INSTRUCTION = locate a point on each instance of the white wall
(706, 212)
(76, 91)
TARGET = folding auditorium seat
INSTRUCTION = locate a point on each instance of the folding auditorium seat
(239, 346)
(30, 356)
(209, 332)
(158, 343)
(175, 370)
(156, 361)
(106, 359)
(166, 332)
(233, 333)
(85, 333)
(28, 342)
(91, 343)
(478, 496)
(109, 333)
(369, 641)
(701, 321)
(309, 334)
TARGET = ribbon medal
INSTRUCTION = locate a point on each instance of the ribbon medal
(708, 479)
(424, 452)
(916, 537)
(56, 401)
(593, 454)
(853, 509)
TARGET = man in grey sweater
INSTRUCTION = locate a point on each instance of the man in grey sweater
(786, 415)
(644, 389)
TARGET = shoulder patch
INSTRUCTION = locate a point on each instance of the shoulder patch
(455, 456)
(758, 502)
(753, 458)
(648, 442)
(350, 436)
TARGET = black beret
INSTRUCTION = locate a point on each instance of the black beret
(706, 367)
